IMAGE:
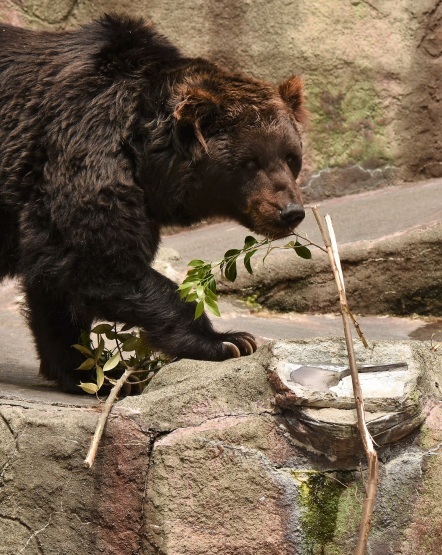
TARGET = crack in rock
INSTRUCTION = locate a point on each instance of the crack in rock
(33, 535)
(13, 455)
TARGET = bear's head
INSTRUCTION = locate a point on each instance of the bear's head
(243, 140)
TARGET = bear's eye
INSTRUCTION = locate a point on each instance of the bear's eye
(294, 163)
(291, 159)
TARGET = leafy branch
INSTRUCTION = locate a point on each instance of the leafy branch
(129, 357)
(200, 282)
(112, 351)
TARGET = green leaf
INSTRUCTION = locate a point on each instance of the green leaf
(199, 309)
(88, 364)
(91, 388)
(185, 288)
(131, 344)
(211, 285)
(212, 306)
(82, 349)
(247, 263)
(100, 377)
(122, 337)
(99, 350)
(126, 327)
(302, 251)
(230, 270)
(183, 294)
(232, 253)
(249, 241)
(191, 297)
(195, 263)
(200, 291)
(111, 334)
(210, 294)
(192, 274)
(112, 362)
(101, 328)
(290, 245)
(185, 285)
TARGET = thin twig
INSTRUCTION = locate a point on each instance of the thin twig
(117, 342)
(89, 460)
(373, 466)
(305, 238)
(357, 327)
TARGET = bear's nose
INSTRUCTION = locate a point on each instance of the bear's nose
(292, 215)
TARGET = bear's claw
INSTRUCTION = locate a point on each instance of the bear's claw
(233, 349)
(239, 344)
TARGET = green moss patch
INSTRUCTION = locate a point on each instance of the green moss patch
(331, 508)
(348, 124)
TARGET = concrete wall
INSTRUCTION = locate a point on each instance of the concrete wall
(371, 69)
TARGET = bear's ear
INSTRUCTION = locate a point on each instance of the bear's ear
(194, 113)
(292, 92)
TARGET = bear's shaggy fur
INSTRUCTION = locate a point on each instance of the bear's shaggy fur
(108, 133)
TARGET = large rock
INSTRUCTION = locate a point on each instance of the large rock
(205, 462)
(49, 503)
(372, 71)
(227, 476)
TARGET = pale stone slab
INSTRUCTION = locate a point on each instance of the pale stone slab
(321, 410)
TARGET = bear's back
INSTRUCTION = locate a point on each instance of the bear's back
(54, 84)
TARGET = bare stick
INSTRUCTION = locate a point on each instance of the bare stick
(89, 460)
(357, 327)
(373, 467)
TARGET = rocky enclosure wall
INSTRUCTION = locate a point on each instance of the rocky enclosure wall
(371, 69)
(206, 462)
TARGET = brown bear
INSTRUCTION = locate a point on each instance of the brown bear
(107, 134)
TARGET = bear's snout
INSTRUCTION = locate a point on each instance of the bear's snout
(292, 215)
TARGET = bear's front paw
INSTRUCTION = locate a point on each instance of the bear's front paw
(238, 344)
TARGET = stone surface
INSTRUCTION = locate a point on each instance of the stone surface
(423, 535)
(398, 274)
(200, 390)
(375, 111)
(224, 497)
(205, 462)
(49, 503)
(229, 476)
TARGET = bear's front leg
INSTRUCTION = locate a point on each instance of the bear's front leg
(155, 305)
